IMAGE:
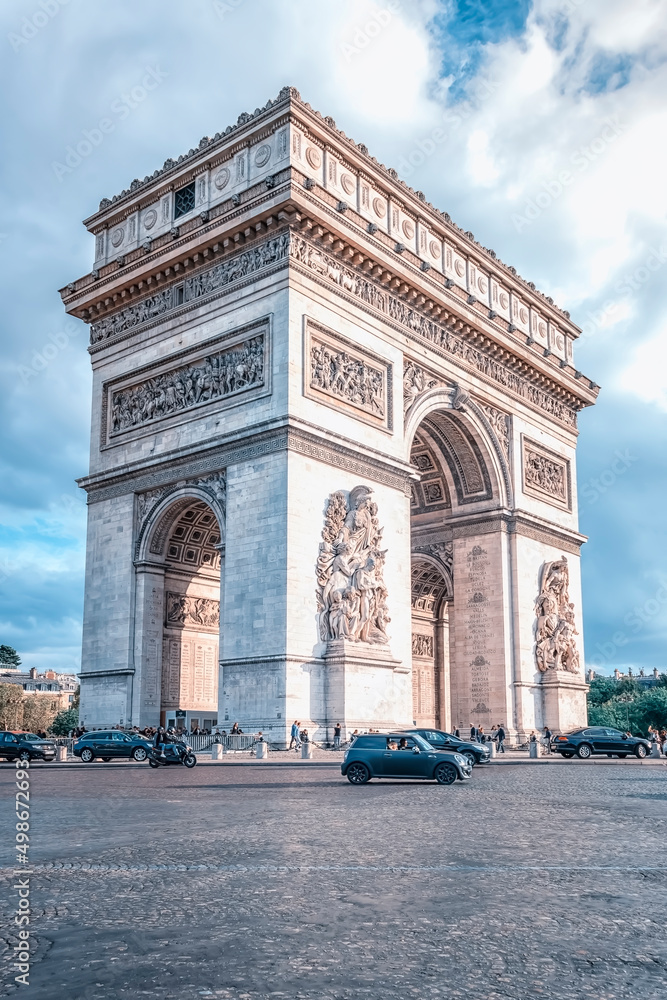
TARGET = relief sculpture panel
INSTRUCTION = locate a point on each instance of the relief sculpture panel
(546, 475)
(338, 374)
(221, 374)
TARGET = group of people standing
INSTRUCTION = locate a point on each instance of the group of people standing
(497, 735)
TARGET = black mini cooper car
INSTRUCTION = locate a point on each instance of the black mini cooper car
(112, 743)
(401, 755)
(26, 746)
(476, 753)
(599, 740)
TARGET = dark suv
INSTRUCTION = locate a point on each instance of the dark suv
(401, 755)
(597, 740)
(111, 743)
(26, 746)
(476, 753)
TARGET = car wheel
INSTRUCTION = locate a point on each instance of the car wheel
(24, 755)
(567, 754)
(153, 763)
(358, 774)
(189, 760)
(139, 754)
(106, 759)
(584, 751)
(640, 750)
(470, 757)
(622, 755)
(87, 755)
(445, 774)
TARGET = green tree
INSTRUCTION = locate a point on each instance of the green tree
(11, 706)
(65, 721)
(9, 657)
(602, 689)
(39, 711)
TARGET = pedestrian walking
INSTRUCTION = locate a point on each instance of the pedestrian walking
(473, 732)
(481, 735)
(294, 734)
(457, 733)
(337, 731)
(500, 737)
(547, 738)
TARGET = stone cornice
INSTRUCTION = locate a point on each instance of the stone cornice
(322, 131)
(527, 525)
(200, 459)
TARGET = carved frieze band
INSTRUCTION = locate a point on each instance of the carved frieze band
(194, 612)
(338, 374)
(546, 475)
(420, 326)
(193, 289)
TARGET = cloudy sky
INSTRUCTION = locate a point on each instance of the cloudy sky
(540, 126)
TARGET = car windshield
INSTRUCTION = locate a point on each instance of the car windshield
(30, 736)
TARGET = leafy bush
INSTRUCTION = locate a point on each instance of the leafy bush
(64, 722)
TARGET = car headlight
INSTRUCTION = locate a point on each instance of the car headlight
(345, 755)
(460, 759)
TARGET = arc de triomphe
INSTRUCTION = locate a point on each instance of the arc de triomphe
(332, 456)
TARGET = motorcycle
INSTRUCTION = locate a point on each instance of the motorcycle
(174, 753)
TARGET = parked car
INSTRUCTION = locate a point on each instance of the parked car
(112, 743)
(26, 746)
(401, 755)
(476, 753)
(598, 740)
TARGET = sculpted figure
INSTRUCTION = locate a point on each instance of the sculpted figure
(555, 631)
(351, 593)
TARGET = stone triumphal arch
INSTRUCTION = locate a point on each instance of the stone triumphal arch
(333, 452)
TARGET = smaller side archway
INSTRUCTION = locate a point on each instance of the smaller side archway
(431, 595)
(178, 597)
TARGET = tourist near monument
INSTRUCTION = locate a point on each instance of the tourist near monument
(333, 453)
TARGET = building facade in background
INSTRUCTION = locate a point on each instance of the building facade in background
(61, 687)
(333, 452)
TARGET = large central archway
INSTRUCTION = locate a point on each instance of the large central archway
(460, 645)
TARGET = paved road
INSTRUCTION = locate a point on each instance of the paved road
(257, 881)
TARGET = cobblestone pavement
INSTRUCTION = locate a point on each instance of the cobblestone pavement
(258, 881)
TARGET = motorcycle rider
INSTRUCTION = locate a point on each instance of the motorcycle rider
(159, 741)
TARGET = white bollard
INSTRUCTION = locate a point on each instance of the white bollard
(492, 748)
(261, 751)
(216, 751)
(534, 750)
(61, 754)
(655, 750)
(306, 751)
